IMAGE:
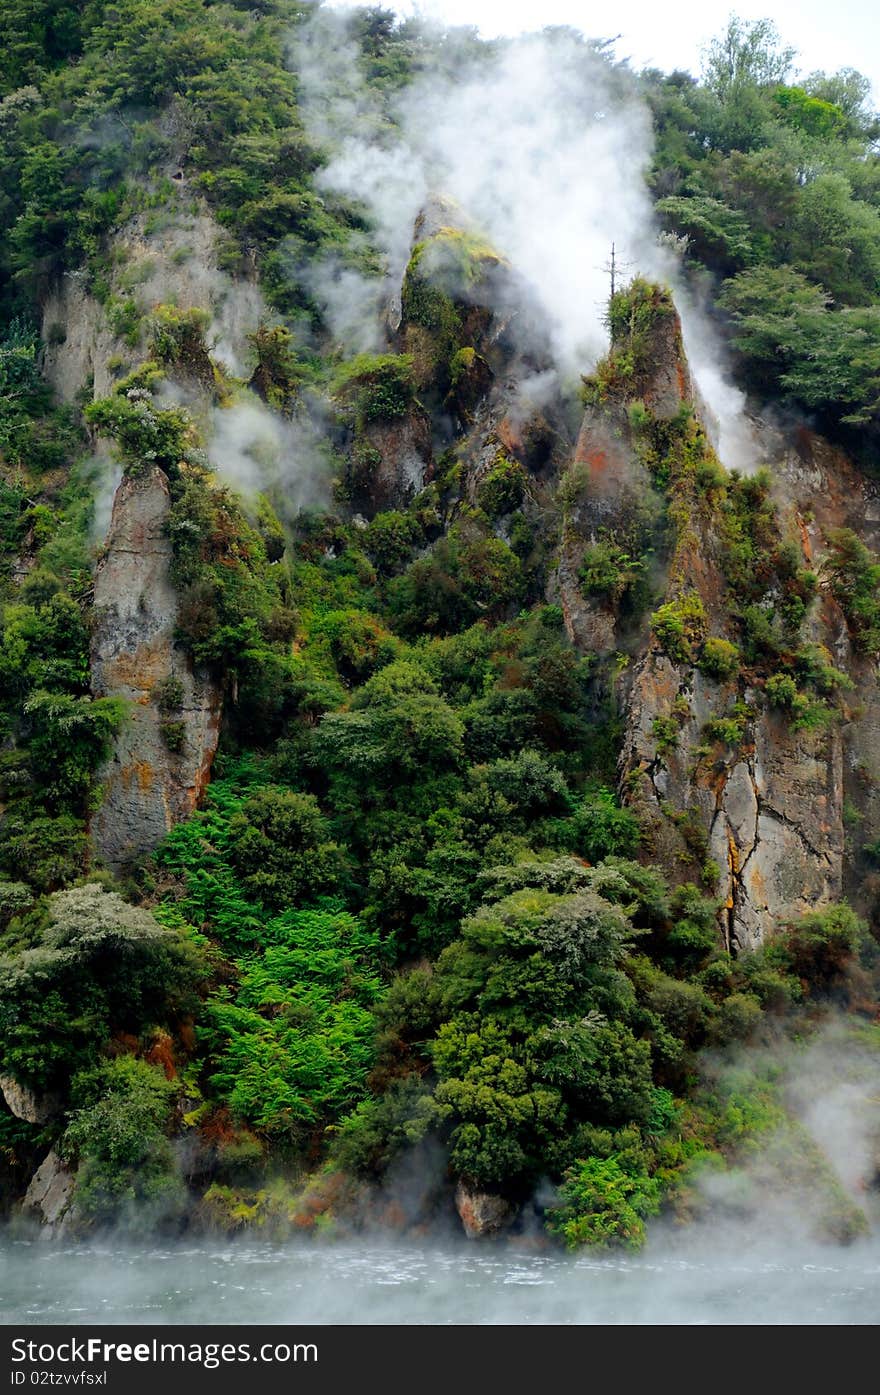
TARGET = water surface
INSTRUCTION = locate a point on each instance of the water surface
(674, 1281)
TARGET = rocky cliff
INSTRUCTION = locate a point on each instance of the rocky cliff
(735, 785)
(634, 511)
(162, 757)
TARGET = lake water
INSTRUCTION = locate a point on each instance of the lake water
(680, 1280)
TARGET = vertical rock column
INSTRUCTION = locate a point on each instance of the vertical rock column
(147, 786)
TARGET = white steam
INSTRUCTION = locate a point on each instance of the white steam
(257, 451)
(544, 145)
(818, 1172)
(728, 422)
(104, 475)
(353, 304)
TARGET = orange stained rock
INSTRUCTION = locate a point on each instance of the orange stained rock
(509, 435)
(757, 885)
(145, 775)
(805, 539)
(732, 859)
(141, 669)
(716, 781)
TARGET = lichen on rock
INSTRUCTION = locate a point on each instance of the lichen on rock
(146, 787)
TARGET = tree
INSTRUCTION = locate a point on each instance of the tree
(127, 1170)
(399, 728)
(747, 53)
(849, 91)
(835, 239)
(826, 359)
(95, 965)
(281, 849)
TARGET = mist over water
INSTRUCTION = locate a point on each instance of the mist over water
(750, 1255)
(693, 1277)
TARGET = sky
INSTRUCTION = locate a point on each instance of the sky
(845, 34)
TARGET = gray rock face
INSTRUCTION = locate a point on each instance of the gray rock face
(176, 262)
(24, 1104)
(50, 1192)
(482, 1213)
(147, 787)
(770, 809)
(403, 463)
(767, 808)
(777, 831)
(610, 486)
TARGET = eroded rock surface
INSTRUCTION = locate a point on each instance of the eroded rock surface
(175, 263)
(25, 1103)
(759, 817)
(147, 786)
(50, 1192)
(482, 1213)
(395, 462)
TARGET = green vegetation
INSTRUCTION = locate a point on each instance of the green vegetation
(854, 579)
(501, 489)
(411, 907)
(719, 658)
(612, 574)
(379, 385)
(774, 187)
(679, 626)
(118, 1139)
(81, 965)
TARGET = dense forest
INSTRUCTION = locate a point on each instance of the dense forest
(386, 824)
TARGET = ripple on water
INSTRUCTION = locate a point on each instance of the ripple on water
(399, 1283)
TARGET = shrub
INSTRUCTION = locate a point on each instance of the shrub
(729, 730)
(813, 664)
(718, 658)
(739, 1015)
(280, 846)
(178, 338)
(457, 582)
(380, 386)
(781, 690)
(665, 731)
(597, 826)
(168, 694)
(50, 851)
(127, 1172)
(501, 490)
(277, 375)
(810, 715)
(602, 1205)
(610, 571)
(389, 538)
(173, 733)
(96, 965)
(678, 626)
(854, 574)
(820, 946)
(144, 432)
(382, 1126)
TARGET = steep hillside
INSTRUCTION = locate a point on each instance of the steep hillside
(440, 718)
